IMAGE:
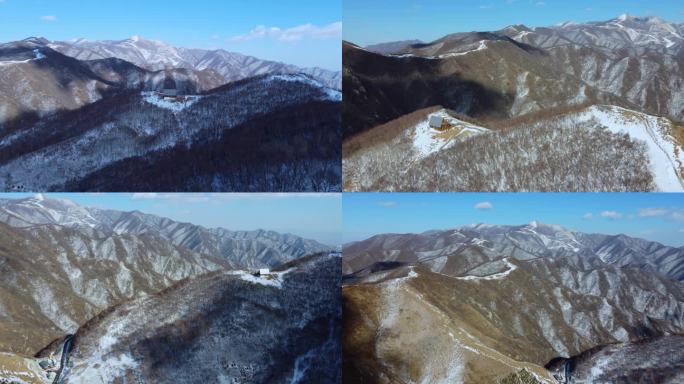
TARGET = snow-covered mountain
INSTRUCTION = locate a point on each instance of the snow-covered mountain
(636, 34)
(639, 59)
(227, 326)
(63, 263)
(527, 84)
(245, 249)
(74, 150)
(36, 81)
(525, 242)
(156, 55)
(405, 154)
(495, 301)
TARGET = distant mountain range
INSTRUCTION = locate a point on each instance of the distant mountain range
(70, 124)
(498, 301)
(511, 80)
(63, 263)
(156, 56)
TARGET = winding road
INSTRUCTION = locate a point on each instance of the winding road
(66, 348)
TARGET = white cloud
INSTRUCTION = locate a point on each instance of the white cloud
(678, 215)
(611, 214)
(49, 18)
(488, 6)
(484, 206)
(588, 216)
(540, 3)
(651, 212)
(300, 32)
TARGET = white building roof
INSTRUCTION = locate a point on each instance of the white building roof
(436, 121)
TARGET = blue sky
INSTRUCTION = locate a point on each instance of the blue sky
(314, 216)
(653, 216)
(301, 32)
(375, 21)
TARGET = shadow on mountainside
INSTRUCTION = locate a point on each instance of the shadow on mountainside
(294, 149)
(379, 88)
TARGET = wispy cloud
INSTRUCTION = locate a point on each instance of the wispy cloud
(540, 3)
(49, 18)
(651, 212)
(484, 206)
(588, 216)
(487, 6)
(300, 32)
(388, 204)
(667, 213)
(611, 215)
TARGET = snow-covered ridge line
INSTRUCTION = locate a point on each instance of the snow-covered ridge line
(36, 52)
(666, 155)
(482, 46)
(330, 93)
(496, 276)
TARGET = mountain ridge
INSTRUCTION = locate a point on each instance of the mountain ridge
(156, 55)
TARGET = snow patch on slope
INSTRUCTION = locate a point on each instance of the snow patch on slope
(427, 140)
(329, 93)
(667, 157)
(495, 276)
(172, 105)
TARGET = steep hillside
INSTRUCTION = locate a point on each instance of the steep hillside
(37, 81)
(223, 327)
(491, 80)
(56, 278)
(65, 149)
(528, 296)
(62, 264)
(639, 59)
(621, 150)
(659, 360)
(627, 71)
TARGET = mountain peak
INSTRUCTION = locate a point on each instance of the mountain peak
(625, 17)
(536, 224)
(36, 40)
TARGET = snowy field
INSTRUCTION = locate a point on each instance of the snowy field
(427, 140)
